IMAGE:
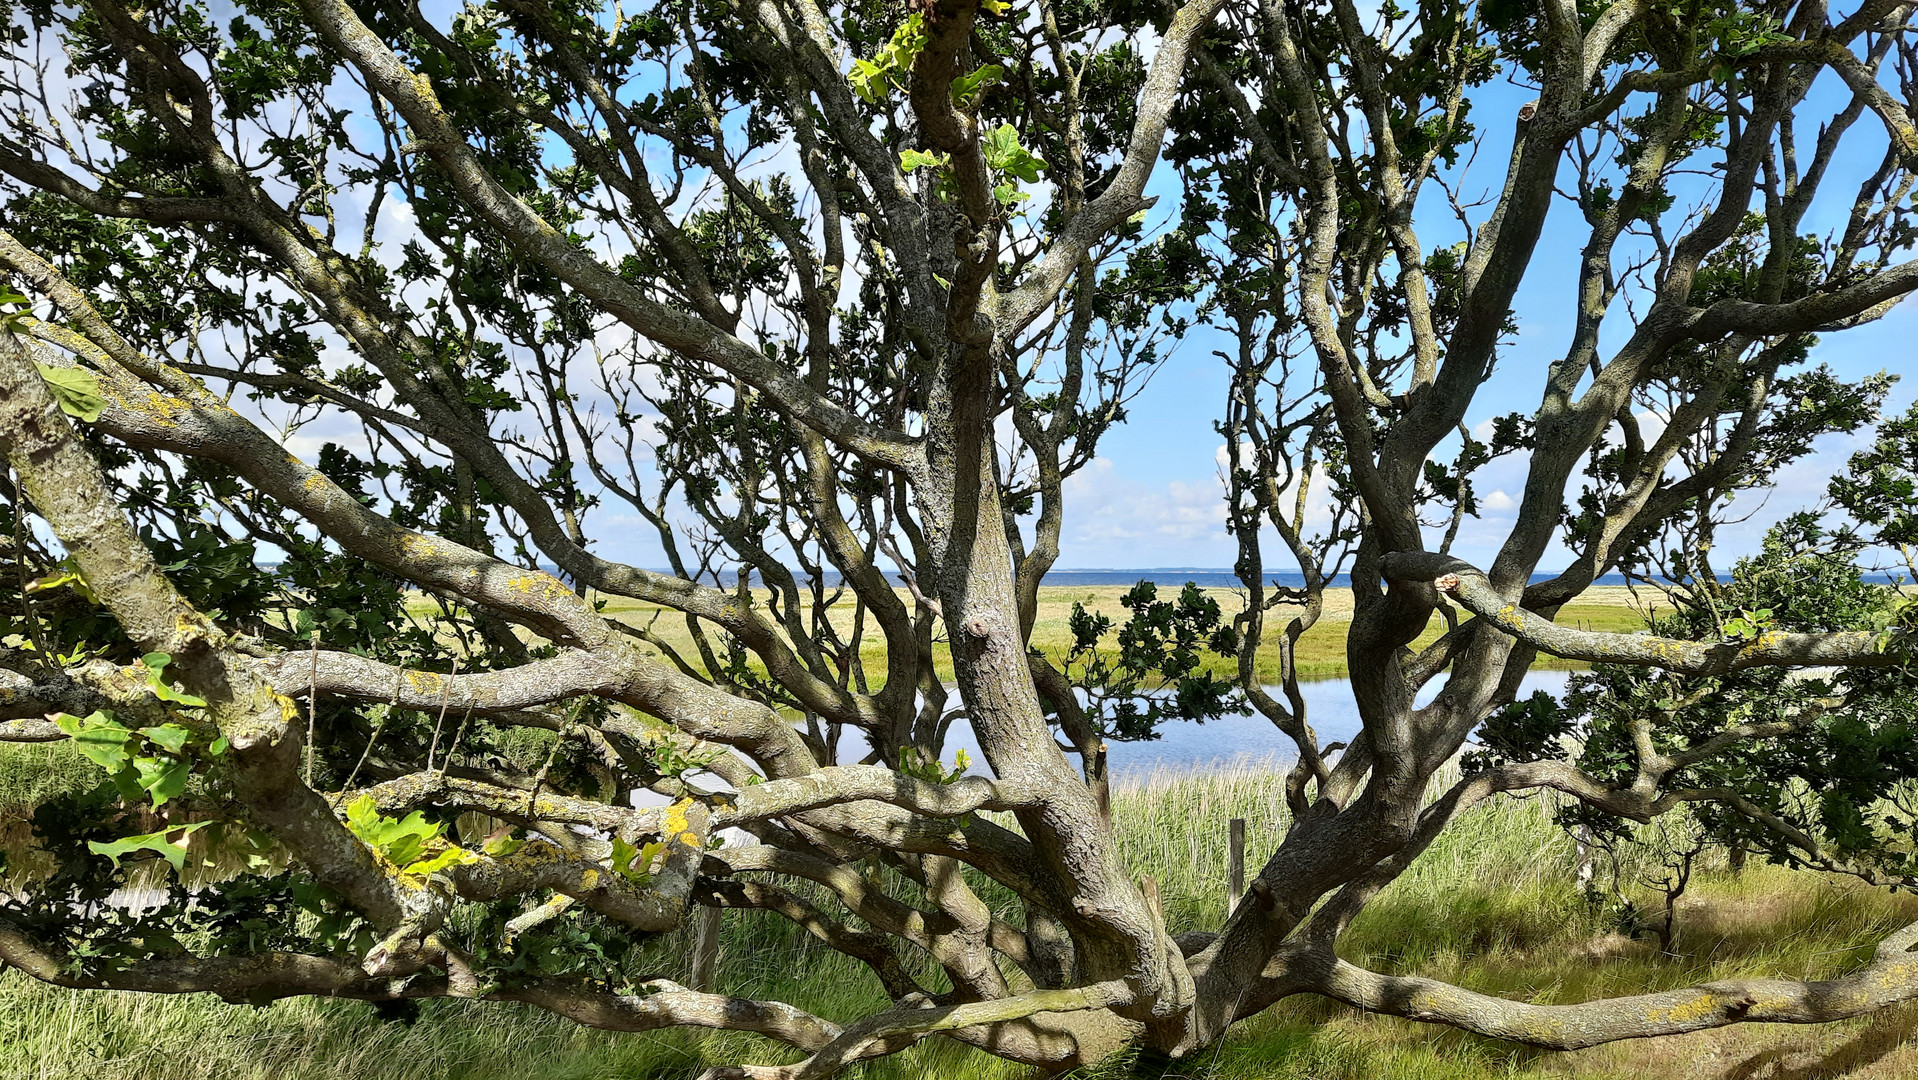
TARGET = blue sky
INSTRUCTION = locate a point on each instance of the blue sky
(1153, 497)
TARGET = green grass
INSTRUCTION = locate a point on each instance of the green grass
(30, 774)
(1492, 905)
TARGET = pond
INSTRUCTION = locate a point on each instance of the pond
(1238, 739)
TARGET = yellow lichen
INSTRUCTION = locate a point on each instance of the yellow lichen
(675, 827)
(162, 410)
(1540, 1029)
(545, 585)
(416, 546)
(1697, 1008)
(1896, 975)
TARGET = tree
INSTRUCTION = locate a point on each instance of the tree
(829, 296)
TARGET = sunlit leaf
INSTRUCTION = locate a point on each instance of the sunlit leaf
(172, 850)
(162, 778)
(76, 390)
(172, 737)
(99, 738)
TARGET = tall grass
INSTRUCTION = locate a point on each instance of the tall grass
(1319, 654)
(1492, 905)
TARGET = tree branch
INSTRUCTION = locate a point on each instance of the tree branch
(1475, 593)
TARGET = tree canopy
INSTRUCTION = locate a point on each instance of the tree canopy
(834, 300)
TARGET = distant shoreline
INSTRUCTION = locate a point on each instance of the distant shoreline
(1219, 577)
(1206, 577)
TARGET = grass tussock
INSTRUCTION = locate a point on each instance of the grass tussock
(1494, 906)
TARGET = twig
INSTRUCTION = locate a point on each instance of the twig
(20, 564)
(399, 679)
(446, 697)
(460, 737)
(565, 729)
(312, 702)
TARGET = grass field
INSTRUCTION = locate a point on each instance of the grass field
(1493, 906)
(1320, 653)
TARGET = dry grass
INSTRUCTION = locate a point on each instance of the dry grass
(1320, 653)
(1492, 906)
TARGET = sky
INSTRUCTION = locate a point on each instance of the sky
(1153, 496)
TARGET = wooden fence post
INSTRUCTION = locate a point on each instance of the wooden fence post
(1149, 885)
(1587, 858)
(705, 949)
(1235, 866)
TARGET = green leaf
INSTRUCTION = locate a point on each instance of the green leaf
(66, 572)
(363, 818)
(1012, 161)
(868, 80)
(412, 844)
(501, 843)
(452, 855)
(871, 79)
(648, 854)
(635, 864)
(404, 840)
(99, 738)
(76, 390)
(173, 851)
(623, 855)
(911, 160)
(162, 778)
(996, 7)
(156, 663)
(1003, 152)
(968, 89)
(172, 737)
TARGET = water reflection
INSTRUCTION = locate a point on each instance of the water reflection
(1228, 740)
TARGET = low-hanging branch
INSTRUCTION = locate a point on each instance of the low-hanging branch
(1476, 593)
(1891, 977)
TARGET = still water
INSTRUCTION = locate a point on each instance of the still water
(1217, 743)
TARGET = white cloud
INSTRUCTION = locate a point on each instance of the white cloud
(1115, 521)
(305, 442)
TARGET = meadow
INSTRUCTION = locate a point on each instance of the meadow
(1320, 653)
(1494, 905)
